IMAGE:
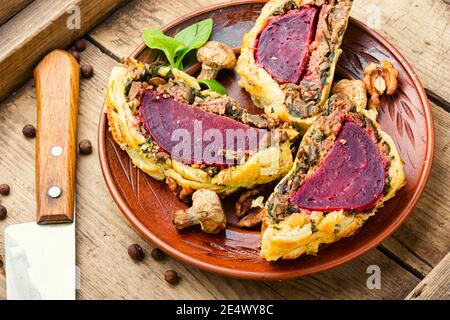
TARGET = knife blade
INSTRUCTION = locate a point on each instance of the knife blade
(40, 256)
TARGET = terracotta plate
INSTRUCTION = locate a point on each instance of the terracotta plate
(148, 204)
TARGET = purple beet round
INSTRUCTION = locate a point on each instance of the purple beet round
(192, 135)
(283, 45)
(351, 176)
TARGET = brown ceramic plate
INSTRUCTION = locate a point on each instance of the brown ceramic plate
(148, 204)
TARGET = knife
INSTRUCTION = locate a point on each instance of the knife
(40, 256)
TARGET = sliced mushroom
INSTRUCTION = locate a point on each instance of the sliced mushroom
(215, 56)
(253, 219)
(245, 201)
(206, 210)
(157, 81)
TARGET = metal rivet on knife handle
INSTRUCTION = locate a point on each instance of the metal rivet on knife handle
(57, 151)
(54, 192)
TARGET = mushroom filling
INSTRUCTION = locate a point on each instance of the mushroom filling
(283, 45)
(351, 177)
(192, 135)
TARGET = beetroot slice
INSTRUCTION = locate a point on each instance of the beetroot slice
(283, 45)
(351, 177)
(185, 131)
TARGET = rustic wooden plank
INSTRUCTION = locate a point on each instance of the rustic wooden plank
(396, 250)
(121, 33)
(436, 285)
(438, 100)
(420, 30)
(103, 233)
(426, 232)
(423, 240)
(41, 27)
(400, 21)
(350, 281)
(10, 8)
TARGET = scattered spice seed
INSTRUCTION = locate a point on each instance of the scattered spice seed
(85, 147)
(3, 212)
(76, 54)
(4, 189)
(80, 45)
(87, 71)
(135, 252)
(158, 254)
(29, 131)
(172, 277)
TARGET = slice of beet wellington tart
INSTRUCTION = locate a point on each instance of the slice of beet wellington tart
(288, 58)
(189, 137)
(346, 168)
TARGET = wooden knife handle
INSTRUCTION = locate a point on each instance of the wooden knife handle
(57, 84)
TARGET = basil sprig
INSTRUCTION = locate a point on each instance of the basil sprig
(176, 48)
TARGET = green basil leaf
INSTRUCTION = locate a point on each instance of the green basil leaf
(214, 85)
(188, 39)
(155, 39)
(193, 37)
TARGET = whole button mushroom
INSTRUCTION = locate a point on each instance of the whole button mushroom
(206, 210)
(215, 56)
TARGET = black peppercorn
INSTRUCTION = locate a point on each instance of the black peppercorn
(80, 45)
(172, 277)
(135, 252)
(76, 54)
(85, 147)
(158, 254)
(29, 131)
(4, 189)
(3, 212)
(87, 71)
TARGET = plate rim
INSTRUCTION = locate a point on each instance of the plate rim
(274, 275)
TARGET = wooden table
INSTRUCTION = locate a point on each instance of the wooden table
(414, 262)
